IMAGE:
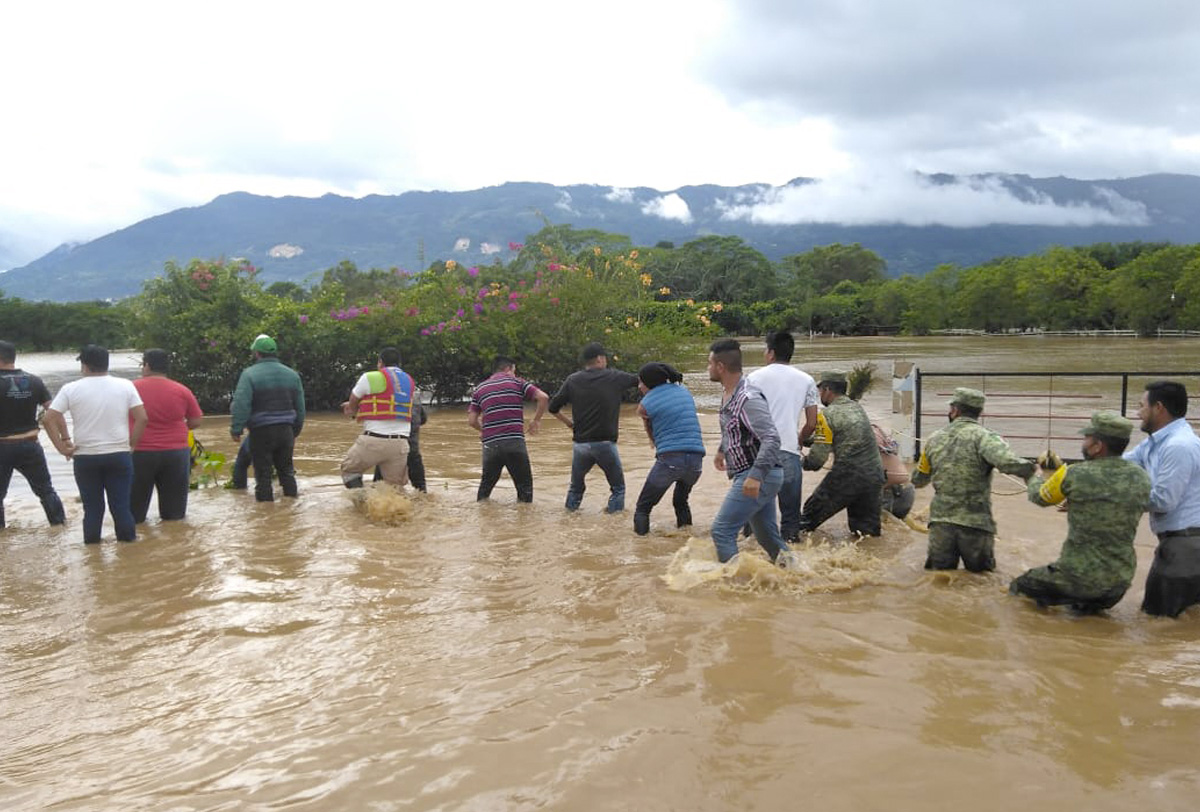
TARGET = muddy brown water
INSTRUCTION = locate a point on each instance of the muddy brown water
(496, 656)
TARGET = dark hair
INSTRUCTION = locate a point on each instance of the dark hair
(8, 352)
(95, 357)
(1171, 394)
(968, 411)
(157, 360)
(1116, 445)
(389, 357)
(656, 374)
(592, 350)
(728, 352)
(503, 362)
(836, 386)
(782, 344)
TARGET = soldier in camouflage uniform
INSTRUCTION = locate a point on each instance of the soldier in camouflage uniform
(1107, 496)
(958, 460)
(854, 482)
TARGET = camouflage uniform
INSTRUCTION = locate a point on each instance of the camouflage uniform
(1107, 496)
(958, 460)
(854, 482)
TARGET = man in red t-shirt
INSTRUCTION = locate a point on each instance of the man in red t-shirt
(162, 460)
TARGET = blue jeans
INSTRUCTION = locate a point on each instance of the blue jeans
(789, 495)
(738, 509)
(681, 468)
(27, 457)
(100, 475)
(604, 454)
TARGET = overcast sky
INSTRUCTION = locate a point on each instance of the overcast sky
(116, 111)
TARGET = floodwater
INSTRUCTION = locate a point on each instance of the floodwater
(300, 656)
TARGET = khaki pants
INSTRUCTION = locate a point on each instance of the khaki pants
(391, 455)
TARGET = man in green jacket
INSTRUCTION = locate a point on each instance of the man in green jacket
(854, 482)
(269, 401)
(959, 460)
(1107, 497)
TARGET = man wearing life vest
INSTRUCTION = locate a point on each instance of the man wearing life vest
(382, 401)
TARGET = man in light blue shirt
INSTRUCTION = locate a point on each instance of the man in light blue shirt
(1171, 455)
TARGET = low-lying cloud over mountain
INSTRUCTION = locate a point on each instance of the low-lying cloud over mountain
(915, 222)
(917, 200)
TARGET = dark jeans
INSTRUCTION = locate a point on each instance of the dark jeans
(168, 472)
(604, 454)
(27, 457)
(271, 449)
(679, 468)
(241, 465)
(510, 454)
(100, 475)
(1173, 583)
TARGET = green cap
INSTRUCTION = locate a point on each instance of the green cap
(1108, 424)
(832, 376)
(263, 343)
(971, 398)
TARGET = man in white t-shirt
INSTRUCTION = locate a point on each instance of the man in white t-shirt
(108, 418)
(791, 395)
(382, 401)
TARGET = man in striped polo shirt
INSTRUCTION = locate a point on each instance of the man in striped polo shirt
(749, 456)
(497, 413)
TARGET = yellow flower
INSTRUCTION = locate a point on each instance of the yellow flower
(596, 250)
(664, 290)
(690, 302)
(647, 280)
(450, 264)
(629, 319)
(718, 307)
(633, 254)
(608, 329)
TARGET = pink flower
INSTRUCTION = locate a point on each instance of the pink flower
(412, 311)
(460, 313)
(553, 266)
(472, 271)
(365, 310)
(554, 300)
(478, 308)
(303, 319)
(424, 331)
(513, 306)
(515, 246)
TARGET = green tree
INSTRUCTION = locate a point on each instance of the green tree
(823, 267)
(714, 268)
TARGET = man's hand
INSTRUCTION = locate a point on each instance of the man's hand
(719, 461)
(534, 425)
(750, 488)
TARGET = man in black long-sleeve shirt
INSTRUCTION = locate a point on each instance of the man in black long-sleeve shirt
(594, 394)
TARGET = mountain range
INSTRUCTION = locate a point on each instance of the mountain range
(295, 238)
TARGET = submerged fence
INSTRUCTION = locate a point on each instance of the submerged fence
(1034, 411)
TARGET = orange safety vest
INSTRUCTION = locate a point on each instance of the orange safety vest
(391, 397)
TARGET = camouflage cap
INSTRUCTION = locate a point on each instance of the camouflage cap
(1108, 424)
(971, 398)
(832, 376)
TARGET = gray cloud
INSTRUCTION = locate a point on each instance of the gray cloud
(1021, 79)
